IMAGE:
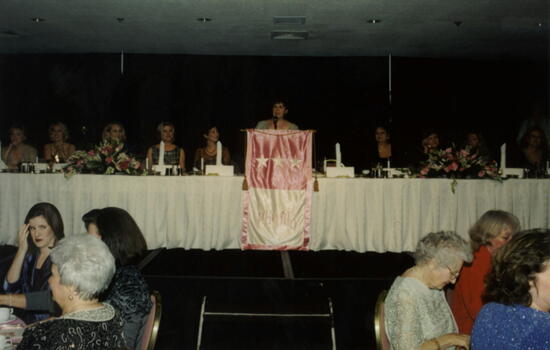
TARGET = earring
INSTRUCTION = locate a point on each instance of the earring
(70, 297)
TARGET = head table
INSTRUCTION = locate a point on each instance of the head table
(204, 212)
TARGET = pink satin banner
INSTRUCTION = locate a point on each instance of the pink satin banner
(277, 205)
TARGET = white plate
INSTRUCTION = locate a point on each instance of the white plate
(12, 318)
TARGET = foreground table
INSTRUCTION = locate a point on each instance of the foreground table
(204, 212)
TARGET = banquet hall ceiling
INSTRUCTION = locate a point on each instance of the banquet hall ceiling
(484, 29)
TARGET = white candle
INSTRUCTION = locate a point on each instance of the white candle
(218, 153)
(146, 163)
(338, 155)
(37, 159)
(388, 164)
(161, 153)
(503, 156)
(202, 165)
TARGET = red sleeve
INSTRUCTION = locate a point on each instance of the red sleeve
(466, 300)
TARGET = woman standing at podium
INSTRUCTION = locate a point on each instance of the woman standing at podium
(277, 121)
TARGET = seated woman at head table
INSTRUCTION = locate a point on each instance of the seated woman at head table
(173, 154)
(533, 152)
(491, 232)
(429, 142)
(417, 316)
(82, 268)
(59, 150)
(516, 316)
(476, 144)
(128, 292)
(31, 266)
(18, 151)
(383, 151)
(209, 152)
(278, 118)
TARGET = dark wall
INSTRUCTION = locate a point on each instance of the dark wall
(340, 97)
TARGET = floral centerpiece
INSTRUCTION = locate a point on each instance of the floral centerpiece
(106, 158)
(458, 164)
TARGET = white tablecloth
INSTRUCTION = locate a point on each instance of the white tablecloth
(204, 212)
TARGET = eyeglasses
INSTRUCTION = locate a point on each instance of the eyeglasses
(454, 274)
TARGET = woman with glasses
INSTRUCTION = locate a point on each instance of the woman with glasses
(417, 316)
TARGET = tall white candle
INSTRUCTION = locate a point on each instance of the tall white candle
(503, 156)
(218, 153)
(146, 163)
(338, 155)
(202, 165)
(161, 153)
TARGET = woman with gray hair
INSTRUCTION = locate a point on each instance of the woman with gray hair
(417, 316)
(82, 268)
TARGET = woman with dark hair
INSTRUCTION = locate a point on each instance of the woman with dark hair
(173, 154)
(128, 292)
(59, 150)
(491, 232)
(475, 143)
(518, 295)
(31, 266)
(278, 120)
(534, 150)
(383, 151)
(209, 152)
(18, 151)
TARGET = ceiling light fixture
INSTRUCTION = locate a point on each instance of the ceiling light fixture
(204, 19)
(373, 21)
(37, 19)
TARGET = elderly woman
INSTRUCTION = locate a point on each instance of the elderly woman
(18, 151)
(173, 154)
(82, 268)
(492, 231)
(31, 266)
(417, 316)
(278, 118)
(518, 291)
(209, 152)
(59, 150)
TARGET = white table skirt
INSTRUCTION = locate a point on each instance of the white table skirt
(204, 212)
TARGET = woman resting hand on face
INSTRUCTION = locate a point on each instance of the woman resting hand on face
(31, 266)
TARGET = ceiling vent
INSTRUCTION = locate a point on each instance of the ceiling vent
(296, 20)
(289, 35)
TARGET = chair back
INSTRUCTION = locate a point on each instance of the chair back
(151, 327)
(382, 341)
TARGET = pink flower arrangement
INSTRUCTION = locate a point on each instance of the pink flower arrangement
(458, 164)
(106, 158)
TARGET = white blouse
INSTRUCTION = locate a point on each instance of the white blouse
(414, 314)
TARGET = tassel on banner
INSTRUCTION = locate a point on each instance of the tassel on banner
(315, 185)
(245, 184)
